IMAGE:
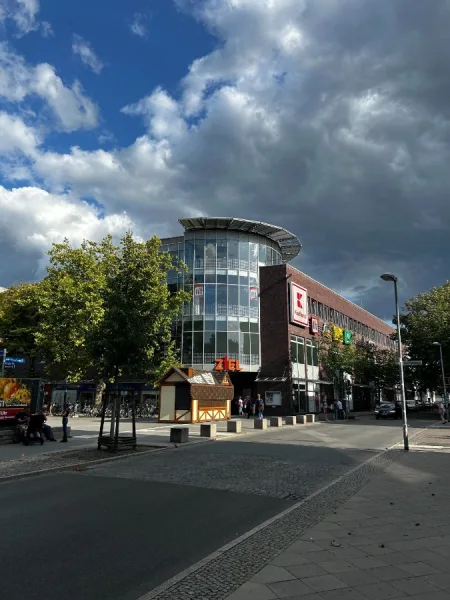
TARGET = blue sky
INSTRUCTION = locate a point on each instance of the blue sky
(327, 117)
(133, 65)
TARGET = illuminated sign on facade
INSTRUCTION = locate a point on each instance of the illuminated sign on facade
(314, 325)
(299, 305)
(227, 364)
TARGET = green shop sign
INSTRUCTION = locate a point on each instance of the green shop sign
(348, 337)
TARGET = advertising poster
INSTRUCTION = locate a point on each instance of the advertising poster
(299, 305)
(17, 394)
(273, 399)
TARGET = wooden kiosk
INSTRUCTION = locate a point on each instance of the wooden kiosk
(191, 396)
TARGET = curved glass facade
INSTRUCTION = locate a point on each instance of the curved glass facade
(222, 318)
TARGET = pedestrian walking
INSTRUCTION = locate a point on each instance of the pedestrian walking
(252, 408)
(338, 409)
(325, 408)
(344, 408)
(441, 409)
(65, 420)
(260, 406)
(240, 406)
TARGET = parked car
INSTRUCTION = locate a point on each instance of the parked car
(412, 405)
(386, 411)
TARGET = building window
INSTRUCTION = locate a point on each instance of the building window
(297, 349)
(314, 307)
(312, 353)
(320, 310)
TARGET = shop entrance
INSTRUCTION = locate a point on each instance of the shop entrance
(299, 403)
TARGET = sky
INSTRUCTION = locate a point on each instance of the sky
(330, 118)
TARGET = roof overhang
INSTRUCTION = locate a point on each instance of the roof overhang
(287, 242)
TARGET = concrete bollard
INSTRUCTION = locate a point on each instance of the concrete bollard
(208, 430)
(310, 418)
(291, 420)
(260, 423)
(276, 422)
(234, 426)
(178, 435)
(301, 419)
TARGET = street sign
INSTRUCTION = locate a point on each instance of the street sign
(412, 363)
(13, 360)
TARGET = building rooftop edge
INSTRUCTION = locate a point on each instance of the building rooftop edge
(288, 243)
(343, 297)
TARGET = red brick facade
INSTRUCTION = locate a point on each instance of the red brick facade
(324, 304)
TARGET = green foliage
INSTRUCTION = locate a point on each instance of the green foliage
(20, 319)
(72, 304)
(135, 334)
(365, 362)
(377, 365)
(426, 319)
(336, 359)
(109, 307)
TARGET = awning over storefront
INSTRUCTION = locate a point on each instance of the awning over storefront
(271, 379)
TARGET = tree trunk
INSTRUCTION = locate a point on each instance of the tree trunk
(99, 389)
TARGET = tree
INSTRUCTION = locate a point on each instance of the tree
(425, 319)
(20, 321)
(363, 361)
(336, 359)
(109, 307)
(72, 305)
(377, 366)
(138, 311)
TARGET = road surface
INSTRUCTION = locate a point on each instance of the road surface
(120, 529)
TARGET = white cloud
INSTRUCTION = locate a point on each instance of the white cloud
(161, 113)
(83, 49)
(71, 107)
(138, 26)
(329, 117)
(33, 219)
(15, 135)
(22, 12)
(46, 29)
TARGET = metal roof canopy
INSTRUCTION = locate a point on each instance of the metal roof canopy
(288, 243)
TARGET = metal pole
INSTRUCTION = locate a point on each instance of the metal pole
(443, 382)
(400, 364)
(3, 362)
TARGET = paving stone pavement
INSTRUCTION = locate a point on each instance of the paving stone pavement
(377, 533)
(390, 540)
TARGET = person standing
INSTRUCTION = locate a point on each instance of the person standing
(65, 420)
(338, 409)
(240, 406)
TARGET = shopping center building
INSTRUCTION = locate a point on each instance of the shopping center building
(258, 317)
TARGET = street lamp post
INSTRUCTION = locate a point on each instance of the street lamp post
(443, 378)
(394, 279)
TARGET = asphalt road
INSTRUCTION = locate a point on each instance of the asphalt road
(118, 530)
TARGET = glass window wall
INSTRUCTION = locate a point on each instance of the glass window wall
(222, 317)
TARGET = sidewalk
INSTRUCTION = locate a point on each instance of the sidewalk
(391, 540)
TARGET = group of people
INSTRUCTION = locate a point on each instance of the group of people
(35, 425)
(252, 407)
(338, 409)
